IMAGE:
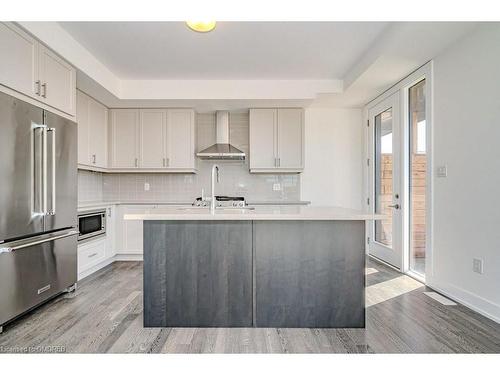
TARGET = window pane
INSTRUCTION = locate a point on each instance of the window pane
(383, 176)
(418, 169)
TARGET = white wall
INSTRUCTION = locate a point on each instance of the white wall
(467, 140)
(333, 153)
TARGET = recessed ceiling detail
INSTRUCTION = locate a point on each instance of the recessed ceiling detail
(237, 50)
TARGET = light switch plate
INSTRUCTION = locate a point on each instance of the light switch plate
(442, 171)
(276, 187)
(477, 265)
(146, 186)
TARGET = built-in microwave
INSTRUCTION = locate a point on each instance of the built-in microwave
(91, 224)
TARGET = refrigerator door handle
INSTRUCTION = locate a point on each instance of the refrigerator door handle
(41, 170)
(23, 245)
(44, 170)
(52, 210)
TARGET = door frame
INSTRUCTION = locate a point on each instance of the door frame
(402, 87)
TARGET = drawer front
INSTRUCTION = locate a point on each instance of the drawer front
(90, 254)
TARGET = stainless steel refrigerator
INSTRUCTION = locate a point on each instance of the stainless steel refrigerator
(38, 206)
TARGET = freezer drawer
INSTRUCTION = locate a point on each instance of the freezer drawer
(32, 274)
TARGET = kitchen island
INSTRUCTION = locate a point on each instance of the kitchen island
(264, 267)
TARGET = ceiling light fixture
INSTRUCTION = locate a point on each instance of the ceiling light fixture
(201, 26)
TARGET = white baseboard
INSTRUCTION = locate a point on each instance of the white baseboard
(478, 304)
(97, 267)
(128, 257)
(108, 261)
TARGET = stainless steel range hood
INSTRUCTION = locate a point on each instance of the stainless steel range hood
(222, 150)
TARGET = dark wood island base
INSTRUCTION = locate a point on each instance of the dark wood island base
(244, 273)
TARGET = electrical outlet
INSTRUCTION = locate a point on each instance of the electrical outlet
(442, 171)
(477, 265)
(276, 187)
(146, 186)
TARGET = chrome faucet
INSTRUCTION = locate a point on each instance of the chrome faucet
(215, 171)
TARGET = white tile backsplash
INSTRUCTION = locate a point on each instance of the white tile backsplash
(235, 178)
(90, 186)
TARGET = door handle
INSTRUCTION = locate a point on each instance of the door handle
(37, 242)
(53, 198)
(395, 206)
(44, 91)
(44, 169)
(39, 183)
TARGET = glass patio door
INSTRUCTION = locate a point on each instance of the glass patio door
(417, 178)
(385, 235)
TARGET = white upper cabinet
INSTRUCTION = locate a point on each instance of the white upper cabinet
(277, 140)
(153, 122)
(92, 120)
(153, 139)
(180, 139)
(30, 68)
(19, 60)
(82, 120)
(290, 139)
(125, 138)
(263, 128)
(98, 134)
(58, 81)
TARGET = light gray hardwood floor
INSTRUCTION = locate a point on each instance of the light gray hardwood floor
(105, 315)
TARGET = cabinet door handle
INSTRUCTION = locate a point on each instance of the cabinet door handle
(37, 83)
(136, 162)
(164, 162)
(92, 255)
(44, 91)
(93, 158)
(168, 162)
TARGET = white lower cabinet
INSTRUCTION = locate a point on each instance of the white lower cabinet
(110, 231)
(90, 254)
(129, 241)
(123, 240)
(94, 254)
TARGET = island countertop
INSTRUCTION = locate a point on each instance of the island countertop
(254, 213)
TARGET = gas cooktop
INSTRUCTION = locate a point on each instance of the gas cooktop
(221, 201)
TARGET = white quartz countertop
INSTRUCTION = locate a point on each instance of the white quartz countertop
(101, 204)
(258, 213)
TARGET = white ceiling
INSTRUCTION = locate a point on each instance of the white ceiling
(234, 50)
